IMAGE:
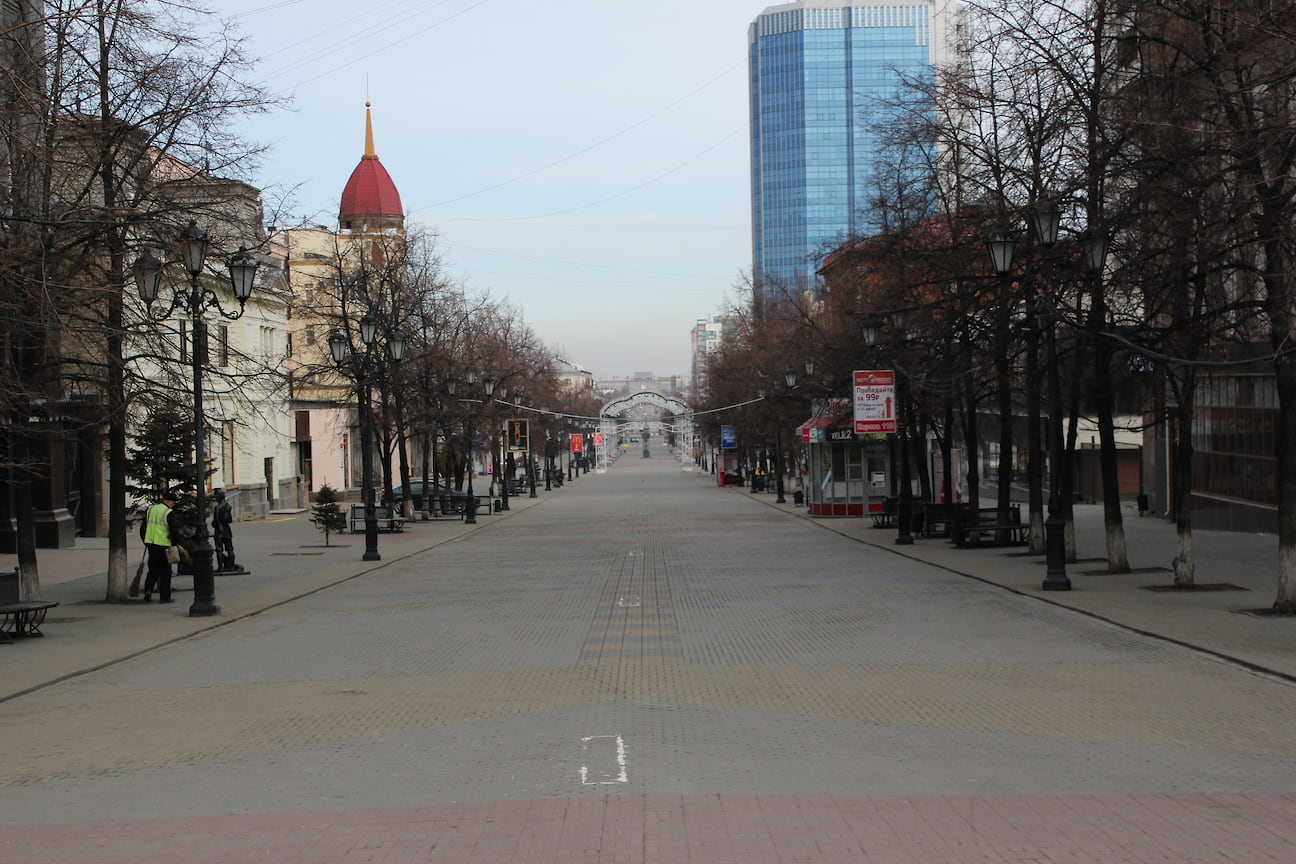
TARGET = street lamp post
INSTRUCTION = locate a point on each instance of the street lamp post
(488, 385)
(148, 279)
(1044, 217)
(366, 363)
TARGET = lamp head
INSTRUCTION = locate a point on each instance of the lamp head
(193, 248)
(147, 270)
(337, 346)
(242, 269)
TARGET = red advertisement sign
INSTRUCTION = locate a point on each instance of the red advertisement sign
(875, 408)
(577, 443)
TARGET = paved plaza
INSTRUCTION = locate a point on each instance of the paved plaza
(643, 667)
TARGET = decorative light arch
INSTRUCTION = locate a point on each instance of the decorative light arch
(617, 407)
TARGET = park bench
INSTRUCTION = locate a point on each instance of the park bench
(889, 515)
(983, 527)
(26, 615)
(936, 519)
(386, 516)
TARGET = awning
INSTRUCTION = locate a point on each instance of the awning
(812, 430)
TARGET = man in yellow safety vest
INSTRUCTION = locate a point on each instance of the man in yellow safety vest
(158, 535)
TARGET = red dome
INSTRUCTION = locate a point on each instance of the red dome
(370, 192)
(370, 196)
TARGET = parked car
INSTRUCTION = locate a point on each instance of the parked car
(418, 489)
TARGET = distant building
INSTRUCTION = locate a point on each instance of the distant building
(707, 336)
(573, 378)
(822, 73)
(319, 263)
(611, 388)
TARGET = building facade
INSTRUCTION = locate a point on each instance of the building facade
(822, 75)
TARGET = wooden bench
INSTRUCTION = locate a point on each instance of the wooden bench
(936, 519)
(889, 516)
(26, 615)
(386, 516)
(983, 527)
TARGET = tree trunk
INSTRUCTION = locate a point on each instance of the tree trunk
(1034, 446)
(1184, 563)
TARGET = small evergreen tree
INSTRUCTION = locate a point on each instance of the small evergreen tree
(327, 513)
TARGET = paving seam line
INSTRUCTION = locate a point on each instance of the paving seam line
(1248, 665)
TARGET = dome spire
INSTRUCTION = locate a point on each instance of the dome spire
(369, 145)
(370, 201)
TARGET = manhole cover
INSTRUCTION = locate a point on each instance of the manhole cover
(1261, 613)
(1207, 586)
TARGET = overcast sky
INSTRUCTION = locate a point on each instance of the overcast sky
(587, 160)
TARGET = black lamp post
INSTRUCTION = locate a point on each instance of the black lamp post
(148, 281)
(366, 363)
(789, 378)
(488, 385)
(1044, 217)
(501, 476)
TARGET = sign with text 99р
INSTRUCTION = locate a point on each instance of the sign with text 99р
(875, 405)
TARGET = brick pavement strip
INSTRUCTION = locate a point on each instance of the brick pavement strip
(712, 829)
(780, 694)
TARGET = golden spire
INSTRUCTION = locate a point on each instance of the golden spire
(369, 145)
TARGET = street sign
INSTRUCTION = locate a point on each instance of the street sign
(518, 436)
(875, 405)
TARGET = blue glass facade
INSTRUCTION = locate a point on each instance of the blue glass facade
(821, 77)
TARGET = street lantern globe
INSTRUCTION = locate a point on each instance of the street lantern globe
(147, 270)
(470, 375)
(1094, 245)
(869, 331)
(396, 344)
(517, 398)
(368, 329)
(809, 366)
(503, 392)
(1001, 247)
(789, 375)
(193, 248)
(452, 385)
(242, 268)
(337, 346)
(1044, 216)
(488, 384)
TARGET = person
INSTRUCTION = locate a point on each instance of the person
(157, 532)
(222, 516)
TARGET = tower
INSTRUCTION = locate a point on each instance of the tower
(821, 73)
(370, 202)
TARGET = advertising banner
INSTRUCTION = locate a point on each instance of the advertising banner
(875, 405)
(729, 437)
(518, 436)
(577, 443)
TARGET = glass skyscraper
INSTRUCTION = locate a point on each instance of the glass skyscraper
(821, 74)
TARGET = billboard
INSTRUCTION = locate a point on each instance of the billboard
(729, 437)
(875, 405)
(518, 436)
(577, 443)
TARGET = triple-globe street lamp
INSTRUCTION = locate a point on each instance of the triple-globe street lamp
(366, 363)
(147, 271)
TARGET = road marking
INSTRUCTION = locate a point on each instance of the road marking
(285, 519)
(607, 756)
(630, 603)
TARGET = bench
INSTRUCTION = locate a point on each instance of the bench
(983, 527)
(936, 519)
(386, 516)
(483, 504)
(27, 615)
(889, 515)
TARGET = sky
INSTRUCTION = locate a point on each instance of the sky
(585, 160)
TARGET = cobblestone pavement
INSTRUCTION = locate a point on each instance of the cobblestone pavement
(641, 667)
